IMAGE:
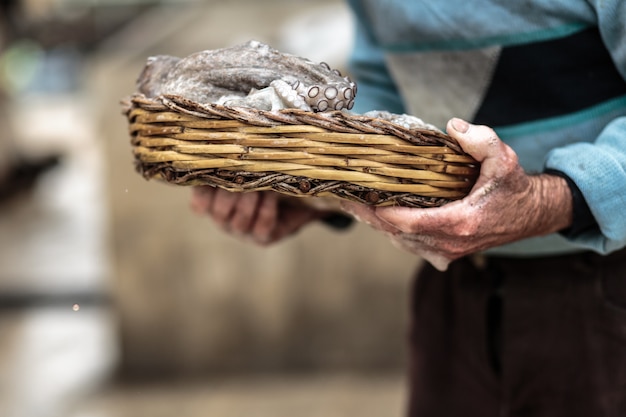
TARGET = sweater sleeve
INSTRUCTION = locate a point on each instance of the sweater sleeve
(376, 88)
(599, 171)
(598, 167)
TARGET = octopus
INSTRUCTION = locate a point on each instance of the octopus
(251, 74)
(406, 121)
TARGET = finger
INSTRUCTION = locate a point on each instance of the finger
(479, 141)
(367, 215)
(484, 145)
(294, 217)
(223, 206)
(405, 219)
(292, 221)
(267, 218)
(244, 213)
(202, 199)
(426, 220)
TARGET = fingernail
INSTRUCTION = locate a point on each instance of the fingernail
(460, 125)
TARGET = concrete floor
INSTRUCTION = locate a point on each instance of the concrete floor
(59, 340)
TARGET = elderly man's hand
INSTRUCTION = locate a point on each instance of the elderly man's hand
(261, 217)
(505, 205)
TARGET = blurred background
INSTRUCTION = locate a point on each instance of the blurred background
(115, 300)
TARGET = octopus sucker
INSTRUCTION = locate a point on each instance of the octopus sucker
(233, 75)
(330, 93)
(313, 92)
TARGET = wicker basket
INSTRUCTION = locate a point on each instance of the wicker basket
(295, 152)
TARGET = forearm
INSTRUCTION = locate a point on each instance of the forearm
(553, 199)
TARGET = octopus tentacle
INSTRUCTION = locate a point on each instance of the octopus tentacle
(205, 77)
(289, 95)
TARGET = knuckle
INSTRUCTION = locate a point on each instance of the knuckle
(465, 226)
(509, 158)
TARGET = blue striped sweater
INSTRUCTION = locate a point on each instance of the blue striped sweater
(548, 75)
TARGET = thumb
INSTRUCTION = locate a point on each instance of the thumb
(481, 142)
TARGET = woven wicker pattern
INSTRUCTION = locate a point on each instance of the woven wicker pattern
(296, 152)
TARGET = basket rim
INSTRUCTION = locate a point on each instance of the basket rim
(336, 120)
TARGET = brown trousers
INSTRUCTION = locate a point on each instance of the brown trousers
(525, 338)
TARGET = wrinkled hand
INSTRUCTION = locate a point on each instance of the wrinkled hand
(505, 205)
(262, 217)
